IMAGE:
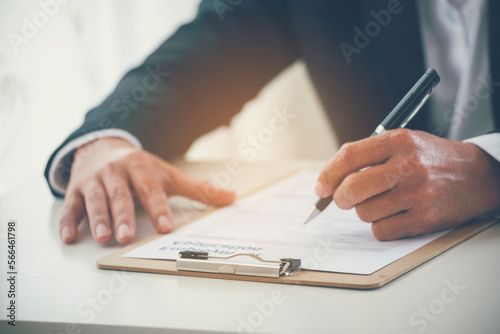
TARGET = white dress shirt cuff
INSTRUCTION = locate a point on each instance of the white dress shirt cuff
(59, 185)
(490, 143)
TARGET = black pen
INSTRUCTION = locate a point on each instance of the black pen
(404, 111)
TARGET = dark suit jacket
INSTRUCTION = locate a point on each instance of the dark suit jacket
(227, 54)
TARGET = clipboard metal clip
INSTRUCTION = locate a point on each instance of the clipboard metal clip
(203, 262)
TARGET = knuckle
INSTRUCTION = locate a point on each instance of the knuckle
(148, 189)
(137, 156)
(346, 154)
(402, 136)
(119, 193)
(405, 168)
(417, 161)
(364, 213)
(411, 165)
(96, 194)
(430, 192)
(109, 169)
(140, 167)
(77, 182)
(170, 181)
(426, 194)
(70, 203)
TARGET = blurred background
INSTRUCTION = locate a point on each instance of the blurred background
(75, 53)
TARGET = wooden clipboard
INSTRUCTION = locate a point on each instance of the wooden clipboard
(377, 279)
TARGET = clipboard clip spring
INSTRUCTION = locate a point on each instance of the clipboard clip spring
(203, 262)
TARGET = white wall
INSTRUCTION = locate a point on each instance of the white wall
(77, 55)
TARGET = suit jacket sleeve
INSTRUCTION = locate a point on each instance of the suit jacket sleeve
(196, 80)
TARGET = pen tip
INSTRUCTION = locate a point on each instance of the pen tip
(314, 212)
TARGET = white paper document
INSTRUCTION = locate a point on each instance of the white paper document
(269, 223)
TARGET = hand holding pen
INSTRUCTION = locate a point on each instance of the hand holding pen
(416, 183)
(404, 111)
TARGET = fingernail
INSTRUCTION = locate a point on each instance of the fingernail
(101, 230)
(123, 231)
(319, 190)
(164, 223)
(66, 233)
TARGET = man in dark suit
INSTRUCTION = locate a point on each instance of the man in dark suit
(362, 57)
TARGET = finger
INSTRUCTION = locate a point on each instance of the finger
(391, 228)
(360, 186)
(121, 204)
(383, 206)
(74, 210)
(413, 222)
(404, 224)
(201, 190)
(351, 158)
(96, 203)
(176, 182)
(151, 195)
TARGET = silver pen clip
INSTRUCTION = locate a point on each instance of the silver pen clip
(415, 111)
(203, 262)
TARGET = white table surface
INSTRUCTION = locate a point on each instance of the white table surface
(57, 283)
